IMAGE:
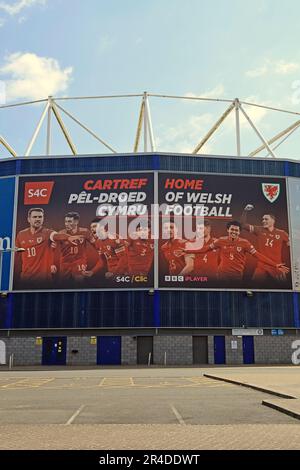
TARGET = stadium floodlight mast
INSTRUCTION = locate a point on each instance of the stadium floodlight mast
(53, 107)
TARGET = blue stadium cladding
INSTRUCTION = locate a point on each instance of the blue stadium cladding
(134, 309)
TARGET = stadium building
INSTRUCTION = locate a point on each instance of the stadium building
(229, 296)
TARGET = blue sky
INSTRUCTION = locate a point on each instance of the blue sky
(222, 49)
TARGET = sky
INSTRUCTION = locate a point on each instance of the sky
(219, 49)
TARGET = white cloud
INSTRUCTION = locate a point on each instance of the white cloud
(18, 6)
(255, 114)
(216, 92)
(278, 67)
(284, 68)
(29, 76)
(259, 72)
(185, 136)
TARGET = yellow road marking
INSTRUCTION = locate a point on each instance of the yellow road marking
(27, 383)
(101, 382)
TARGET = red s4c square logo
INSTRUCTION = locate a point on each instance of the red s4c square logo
(38, 192)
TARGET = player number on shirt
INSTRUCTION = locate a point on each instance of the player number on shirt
(31, 252)
(269, 242)
(74, 250)
(172, 265)
(231, 256)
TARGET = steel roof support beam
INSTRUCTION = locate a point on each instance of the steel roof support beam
(265, 143)
(237, 127)
(139, 127)
(284, 139)
(36, 132)
(49, 128)
(85, 128)
(214, 128)
(7, 146)
(145, 123)
(64, 129)
(150, 127)
(276, 137)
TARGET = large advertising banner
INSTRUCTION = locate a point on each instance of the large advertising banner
(294, 198)
(227, 232)
(84, 232)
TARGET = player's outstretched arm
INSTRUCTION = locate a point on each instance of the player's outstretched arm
(281, 267)
(61, 237)
(205, 249)
(189, 265)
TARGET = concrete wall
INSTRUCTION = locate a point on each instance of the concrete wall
(24, 349)
(129, 350)
(87, 352)
(178, 349)
(274, 349)
(234, 356)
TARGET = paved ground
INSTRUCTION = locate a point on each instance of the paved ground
(283, 382)
(147, 408)
(284, 379)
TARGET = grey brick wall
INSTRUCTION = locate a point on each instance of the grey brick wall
(179, 350)
(26, 352)
(129, 350)
(211, 352)
(87, 352)
(273, 349)
(234, 356)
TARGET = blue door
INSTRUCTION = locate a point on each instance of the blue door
(219, 349)
(109, 350)
(54, 351)
(248, 349)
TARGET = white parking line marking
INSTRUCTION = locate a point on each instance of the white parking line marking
(74, 416)
(178, 415)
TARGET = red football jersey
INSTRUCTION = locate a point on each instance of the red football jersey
(113, 250)
(269, 243)
(232, 256)
(39, 256)
(140, 256)
(206, 264)
(176, 263)
(73, 258)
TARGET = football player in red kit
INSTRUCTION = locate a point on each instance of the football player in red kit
(177, 265)
(37, 261)
(204, 264)
(73, 257)
(110, 248)
(233, 251)
(140, 251)
(270, 242)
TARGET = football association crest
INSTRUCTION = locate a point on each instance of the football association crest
(271, 191)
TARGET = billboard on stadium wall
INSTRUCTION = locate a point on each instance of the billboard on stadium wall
(144, 230)
(73, 230)
(294, 206)
(221, 231)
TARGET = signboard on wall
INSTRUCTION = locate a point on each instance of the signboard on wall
(294, 200)
(74, 232)
(221, 231)
(103, 231)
